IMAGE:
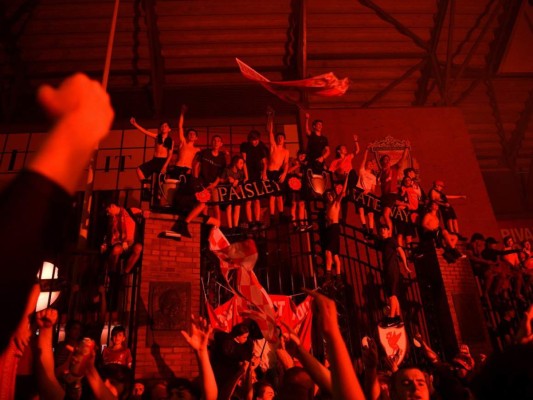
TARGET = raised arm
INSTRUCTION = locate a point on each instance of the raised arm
(307, 130)
(141, 129)
(48, 386)
(198, 340)
(370, 361)
(356, 145)
(345, 384)
(270, 127)
(343, 192)
(180, 123)
(363, 163)
(318, 372)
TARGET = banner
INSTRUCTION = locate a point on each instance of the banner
(327, 85)
(228, 194)
(372, 202)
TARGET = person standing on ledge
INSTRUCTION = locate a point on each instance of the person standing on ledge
(317, 145)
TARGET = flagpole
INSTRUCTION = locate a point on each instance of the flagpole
(89, 187)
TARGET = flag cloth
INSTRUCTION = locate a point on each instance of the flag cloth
(327, 85)
(232, 256)
(250, 299)
(225, 316)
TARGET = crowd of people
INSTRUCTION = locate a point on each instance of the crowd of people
(39, 197)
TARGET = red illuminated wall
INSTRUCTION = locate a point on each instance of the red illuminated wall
(440, 144)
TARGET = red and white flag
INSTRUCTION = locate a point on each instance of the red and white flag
(327, 85)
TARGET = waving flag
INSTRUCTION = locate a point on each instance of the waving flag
(327, 85)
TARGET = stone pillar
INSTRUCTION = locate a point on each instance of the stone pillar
(170, 291)
(463, 297)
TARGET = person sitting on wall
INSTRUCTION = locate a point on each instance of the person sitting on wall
(163, 149)
(317, 145)
(422, 197)
(432, 231)
(278, 164)
(446, 210)
(208, 168)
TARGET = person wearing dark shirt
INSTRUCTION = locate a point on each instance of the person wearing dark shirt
(208, 169)
(390, 251)
(228, 353)
(255, 154)
(40, 196)
(317, 145)
(496, 272)
(447, 211)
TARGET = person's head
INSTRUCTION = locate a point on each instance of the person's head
(477, 238)
(526, 244)
(439, 185)
(384, 231)
(182, 389)
(253, 137)
(73, 330)
(240, 333)
(433, 206)
(384, 161)
(296, 385)
(490, 242)
(112, 209)
(164, 128)
(340, 151)
(329, 195)
(263, 391)
(407, 182)
(317, 126)
(410, 172)
(409, 384)
(118, 335)
(508, 241)
(216, 142)
(118, 379)
(301, 155)
(369, 165)
(280, 138)
(138, 390)
(237, 162)
(191, 135)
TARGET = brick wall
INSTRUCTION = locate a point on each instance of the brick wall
(464, 303)
(162, 353)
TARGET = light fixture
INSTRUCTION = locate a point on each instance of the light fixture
(49, 283)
